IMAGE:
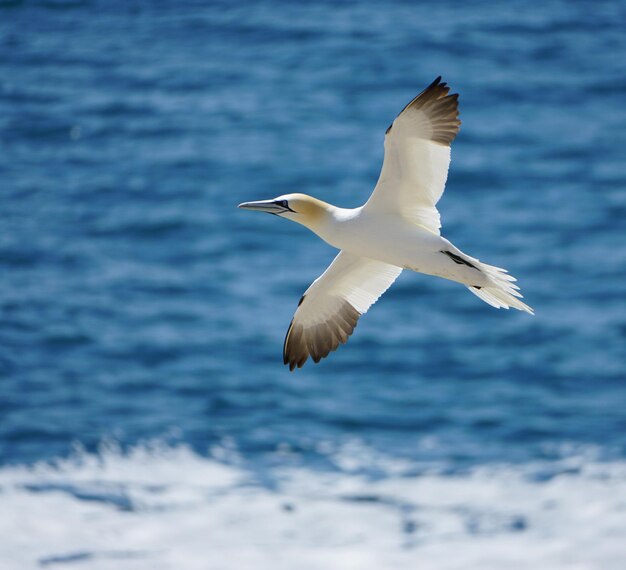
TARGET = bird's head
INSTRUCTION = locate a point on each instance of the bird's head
(305, 210)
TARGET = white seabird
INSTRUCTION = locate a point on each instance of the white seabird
(396, 229)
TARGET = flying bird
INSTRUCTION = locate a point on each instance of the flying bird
(396, 229)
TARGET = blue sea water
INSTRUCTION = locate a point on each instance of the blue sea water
(146, 419)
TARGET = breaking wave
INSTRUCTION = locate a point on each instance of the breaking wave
(166, 507)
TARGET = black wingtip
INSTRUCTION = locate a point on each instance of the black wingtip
(435, 83)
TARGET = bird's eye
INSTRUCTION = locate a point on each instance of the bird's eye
(283, 203)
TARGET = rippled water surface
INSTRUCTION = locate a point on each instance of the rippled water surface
(142, 315)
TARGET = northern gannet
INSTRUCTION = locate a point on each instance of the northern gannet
(396, 229)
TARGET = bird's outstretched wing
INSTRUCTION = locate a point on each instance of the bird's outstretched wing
(332, 305)
(417, 157)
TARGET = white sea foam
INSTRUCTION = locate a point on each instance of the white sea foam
(168, 508)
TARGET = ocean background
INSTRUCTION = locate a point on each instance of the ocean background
(146, 418)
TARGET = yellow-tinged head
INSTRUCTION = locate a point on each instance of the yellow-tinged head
(305, 210)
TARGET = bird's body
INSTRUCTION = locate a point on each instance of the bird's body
(394, 240)
(396, 229)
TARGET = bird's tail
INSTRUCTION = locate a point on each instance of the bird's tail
(502, 293)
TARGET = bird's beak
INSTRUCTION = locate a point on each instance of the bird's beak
(268, 206)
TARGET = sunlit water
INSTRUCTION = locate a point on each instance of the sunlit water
(146, 419)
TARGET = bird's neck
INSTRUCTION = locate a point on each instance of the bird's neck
(326, 220)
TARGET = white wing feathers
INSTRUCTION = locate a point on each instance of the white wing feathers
(417, 157)
(331, 306)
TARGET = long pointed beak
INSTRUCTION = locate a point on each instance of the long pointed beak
(268, 206)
